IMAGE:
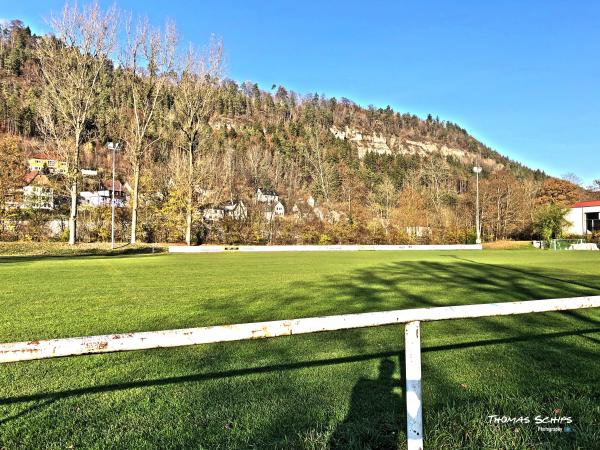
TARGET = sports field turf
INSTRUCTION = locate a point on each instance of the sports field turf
(339, 389)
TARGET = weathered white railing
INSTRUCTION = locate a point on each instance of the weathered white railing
(53, 348)
(316, 248)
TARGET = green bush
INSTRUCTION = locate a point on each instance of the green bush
(550, 221)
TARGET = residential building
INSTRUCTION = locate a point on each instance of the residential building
(103, 196)
(233, 208)
(417, 231)
(277, 210)
(37, 192)
(264, 195)
(306, 209)
(43, 162)
(213, 213)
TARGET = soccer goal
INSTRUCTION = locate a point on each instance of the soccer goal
(572, 244)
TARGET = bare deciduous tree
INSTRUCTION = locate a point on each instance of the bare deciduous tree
(435, 174)
(72, 62)
(194, 105)
(316, 156)
(385, 199)
(147, 59)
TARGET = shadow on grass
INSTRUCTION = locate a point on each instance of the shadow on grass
(529, 273)
(123, 250)
(433, 283)
(29, 410)
(292, 366)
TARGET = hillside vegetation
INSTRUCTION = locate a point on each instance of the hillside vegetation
(192, 139)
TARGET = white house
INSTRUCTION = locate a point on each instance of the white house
(417, 231)
(234, 208)
(38, 197)
(103, 197)
(213, 214)
(584, 218)
(303, 210)
(264, 195)
(37, 193)
(278, 210)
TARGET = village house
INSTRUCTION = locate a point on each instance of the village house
(45, 163)
(584, 218)
(37, 193)
(103, 196)
(319, 213)
(233, 208)
(264, 195)
(418, 231)
(212, 213)
(303, 210)
(277, 210)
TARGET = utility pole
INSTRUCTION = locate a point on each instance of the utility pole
(477, 171)
(114, 147)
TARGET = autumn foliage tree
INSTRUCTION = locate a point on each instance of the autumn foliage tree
(72, 62)
(559, 192)
(12, 168)
(550, 221)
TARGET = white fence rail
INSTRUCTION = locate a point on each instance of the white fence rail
(53, 348)
(315, 248)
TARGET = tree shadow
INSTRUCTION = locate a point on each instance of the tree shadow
(530, 273)
(122, 251)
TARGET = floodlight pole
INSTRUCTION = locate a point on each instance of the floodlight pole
(477, 170)
(112, 146)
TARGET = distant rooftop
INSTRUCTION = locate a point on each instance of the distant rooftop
(30, 176)
(45, 156)
(109, 184)
(267, 191)
(586, 204)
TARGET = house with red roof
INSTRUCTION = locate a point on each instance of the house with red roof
(584, 218)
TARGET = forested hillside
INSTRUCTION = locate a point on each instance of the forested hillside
(192, 140)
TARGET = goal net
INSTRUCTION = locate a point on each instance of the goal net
(572, 244)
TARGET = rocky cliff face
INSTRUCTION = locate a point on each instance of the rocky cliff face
(381, 144)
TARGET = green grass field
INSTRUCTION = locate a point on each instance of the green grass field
(329, 390)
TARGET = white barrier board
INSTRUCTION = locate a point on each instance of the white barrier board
(314, 248)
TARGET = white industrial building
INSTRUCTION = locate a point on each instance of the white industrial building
(584, 218)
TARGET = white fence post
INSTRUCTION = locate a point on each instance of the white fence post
(414, 406)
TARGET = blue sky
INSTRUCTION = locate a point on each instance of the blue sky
(522, 76)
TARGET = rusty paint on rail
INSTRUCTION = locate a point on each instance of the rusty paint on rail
(40, 349)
